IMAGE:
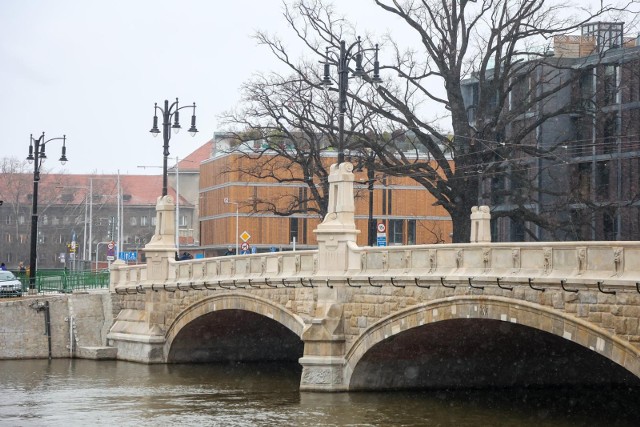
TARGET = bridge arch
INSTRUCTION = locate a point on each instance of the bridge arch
(494, 309)
(233, 302)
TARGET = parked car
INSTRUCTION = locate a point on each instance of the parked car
(9, 284)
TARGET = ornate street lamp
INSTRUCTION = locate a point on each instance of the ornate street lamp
(342, 62)
(169, 112)
(36, 156)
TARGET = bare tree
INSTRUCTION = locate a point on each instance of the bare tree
(492, 42)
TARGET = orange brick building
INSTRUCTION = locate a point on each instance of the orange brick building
(405, 207)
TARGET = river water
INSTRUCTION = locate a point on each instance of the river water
(113, 393)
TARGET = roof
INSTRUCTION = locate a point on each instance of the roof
(72, 188)
(193, 160)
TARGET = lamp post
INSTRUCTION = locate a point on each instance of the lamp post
(226, 201)
(169, 112)
(371, 226)
(37, 155)
(342, 62)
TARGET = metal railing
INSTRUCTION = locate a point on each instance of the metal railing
(61, 281)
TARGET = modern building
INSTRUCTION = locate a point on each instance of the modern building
(231, 200)
(586, 187)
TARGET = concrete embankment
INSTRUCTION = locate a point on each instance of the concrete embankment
(57, 326)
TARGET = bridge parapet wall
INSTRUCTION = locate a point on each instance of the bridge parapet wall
(581, 263)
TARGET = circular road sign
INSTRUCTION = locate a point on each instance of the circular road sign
(111, 245)
(244, 246)
(381, 228)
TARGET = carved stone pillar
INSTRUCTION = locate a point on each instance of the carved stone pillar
(480, 224)
(138, 333)
(324, 342)
(162, 247)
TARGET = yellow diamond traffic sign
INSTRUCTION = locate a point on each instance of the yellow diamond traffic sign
(245, 236)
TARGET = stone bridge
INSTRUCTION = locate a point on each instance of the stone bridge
(390, 317)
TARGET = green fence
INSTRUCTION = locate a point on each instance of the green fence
(60, 281)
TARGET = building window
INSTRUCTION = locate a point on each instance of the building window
(293, 229)
(144, 221)
(133, 221)
(520, 93)
(153, 221)
(610, 84)
(602, 179)
(55, 221)
(411, 232)
(45, 220)
(23, 238)
(396, 231)
(583, 180)
(610, 134)
(517, 230)
(493, 225)
(7, 238)
(183, 221)
(8, 220)
(609, 226)
(21, 219)
(498, 186)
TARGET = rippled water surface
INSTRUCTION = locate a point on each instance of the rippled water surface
(83, 392)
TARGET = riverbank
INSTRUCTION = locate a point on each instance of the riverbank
(57, 326)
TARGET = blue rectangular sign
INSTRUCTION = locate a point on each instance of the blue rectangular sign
(382, 240)
(128, 256)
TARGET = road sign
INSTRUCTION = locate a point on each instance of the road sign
(381, 227)
(245, 236)
(382, 240)
(244, 246)
(128, 255)
(111, 245)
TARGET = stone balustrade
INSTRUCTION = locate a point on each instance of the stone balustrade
(573, 265)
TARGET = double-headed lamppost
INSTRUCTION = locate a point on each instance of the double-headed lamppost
(342, 62)
(168, 112)
(37, 155)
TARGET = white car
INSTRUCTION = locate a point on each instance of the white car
(9, 284)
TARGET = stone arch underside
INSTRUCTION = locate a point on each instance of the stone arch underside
(234, 327)
(481, 340)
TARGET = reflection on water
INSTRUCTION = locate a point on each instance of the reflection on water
(83, 392)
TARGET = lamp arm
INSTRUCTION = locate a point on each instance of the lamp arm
(53, 139)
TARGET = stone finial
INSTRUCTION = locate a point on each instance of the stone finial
(480, 224)
(165, 233)
(161, 249)
(338, 227)
(341, 209)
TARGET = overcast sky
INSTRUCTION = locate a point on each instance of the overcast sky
(93, 69)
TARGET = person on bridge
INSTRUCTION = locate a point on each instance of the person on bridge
(230, 251)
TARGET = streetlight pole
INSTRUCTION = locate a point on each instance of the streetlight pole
(342, 63)
(177, 206)
(371, 226)
(226, 201)
(37, 155)
(169, 112)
